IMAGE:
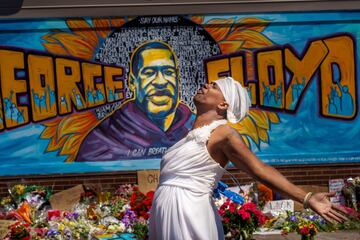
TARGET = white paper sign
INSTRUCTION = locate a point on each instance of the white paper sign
(274, 208)
(335, 185)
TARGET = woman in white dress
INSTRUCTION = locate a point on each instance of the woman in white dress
(190, 170)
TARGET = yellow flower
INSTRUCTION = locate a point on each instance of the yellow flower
(61, 227)
(19, 189)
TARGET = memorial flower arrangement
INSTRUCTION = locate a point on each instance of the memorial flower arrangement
(98, 215)
(240, 221)
(20, 231)
(308, 224)
(125, 214)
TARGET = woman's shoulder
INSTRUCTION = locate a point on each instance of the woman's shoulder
(225, 130)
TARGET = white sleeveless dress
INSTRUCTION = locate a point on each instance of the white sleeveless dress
(183, 207)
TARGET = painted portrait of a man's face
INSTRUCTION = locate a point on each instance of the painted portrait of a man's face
(154, 78)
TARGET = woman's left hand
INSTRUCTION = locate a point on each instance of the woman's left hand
(320, 203)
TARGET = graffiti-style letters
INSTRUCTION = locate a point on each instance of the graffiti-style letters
(45, 86)
(333, 56)
(13, 88)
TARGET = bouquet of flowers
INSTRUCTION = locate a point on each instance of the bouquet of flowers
(141, 203)
(19, 231)
(240, 221)
(307, 231)
(307, 224)
(33, 194)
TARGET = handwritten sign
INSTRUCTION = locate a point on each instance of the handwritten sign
(148, 180)
(276, 207)
(65, 200)
(335, 185)
(4, 227)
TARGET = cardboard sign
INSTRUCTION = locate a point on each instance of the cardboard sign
(336, 185)
(148, 180)
(279, 206)
(65, 200)
(4, 230)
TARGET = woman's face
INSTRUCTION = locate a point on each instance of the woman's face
(209, 96)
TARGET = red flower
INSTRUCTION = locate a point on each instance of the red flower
(262, 219)
(244, 214)
(304, 231)
(221, 212)
(227, 202)
(54, 215)
(232, 208)
(141, 203)
(249, 206)
(150, 194)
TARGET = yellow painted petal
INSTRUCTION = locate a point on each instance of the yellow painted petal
(197, 19)
(72, 146)
(80, 27)
(102, 26)
(117, 22)
(260, 118)
(48, 132)
(49, 38)
(274, 118)
(251, 23)
(247, 127)
(252, 39)
(263, 135)
(68, 134)
(219, 28)
(55, 143)
(77, 123)
(230, 46)
(246, 140)
(75, 45)
(55, 48)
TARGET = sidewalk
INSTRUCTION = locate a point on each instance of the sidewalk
(338, 235)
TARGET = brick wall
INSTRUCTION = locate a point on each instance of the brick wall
(298, 174)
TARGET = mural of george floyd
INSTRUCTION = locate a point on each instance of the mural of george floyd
(101, 96)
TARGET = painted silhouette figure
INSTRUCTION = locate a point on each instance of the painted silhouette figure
(331, 105)
(279, 95)
(266, 95)
(8, 103)
(90, 96)
(111, 95)
(63, 103)
(347, 102)
(78, 101)
(52, 96)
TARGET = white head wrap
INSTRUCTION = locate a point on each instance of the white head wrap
(236, 96)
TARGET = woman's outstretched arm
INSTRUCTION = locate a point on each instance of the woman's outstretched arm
(238, 153)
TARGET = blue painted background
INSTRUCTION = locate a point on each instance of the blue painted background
(304, 137)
